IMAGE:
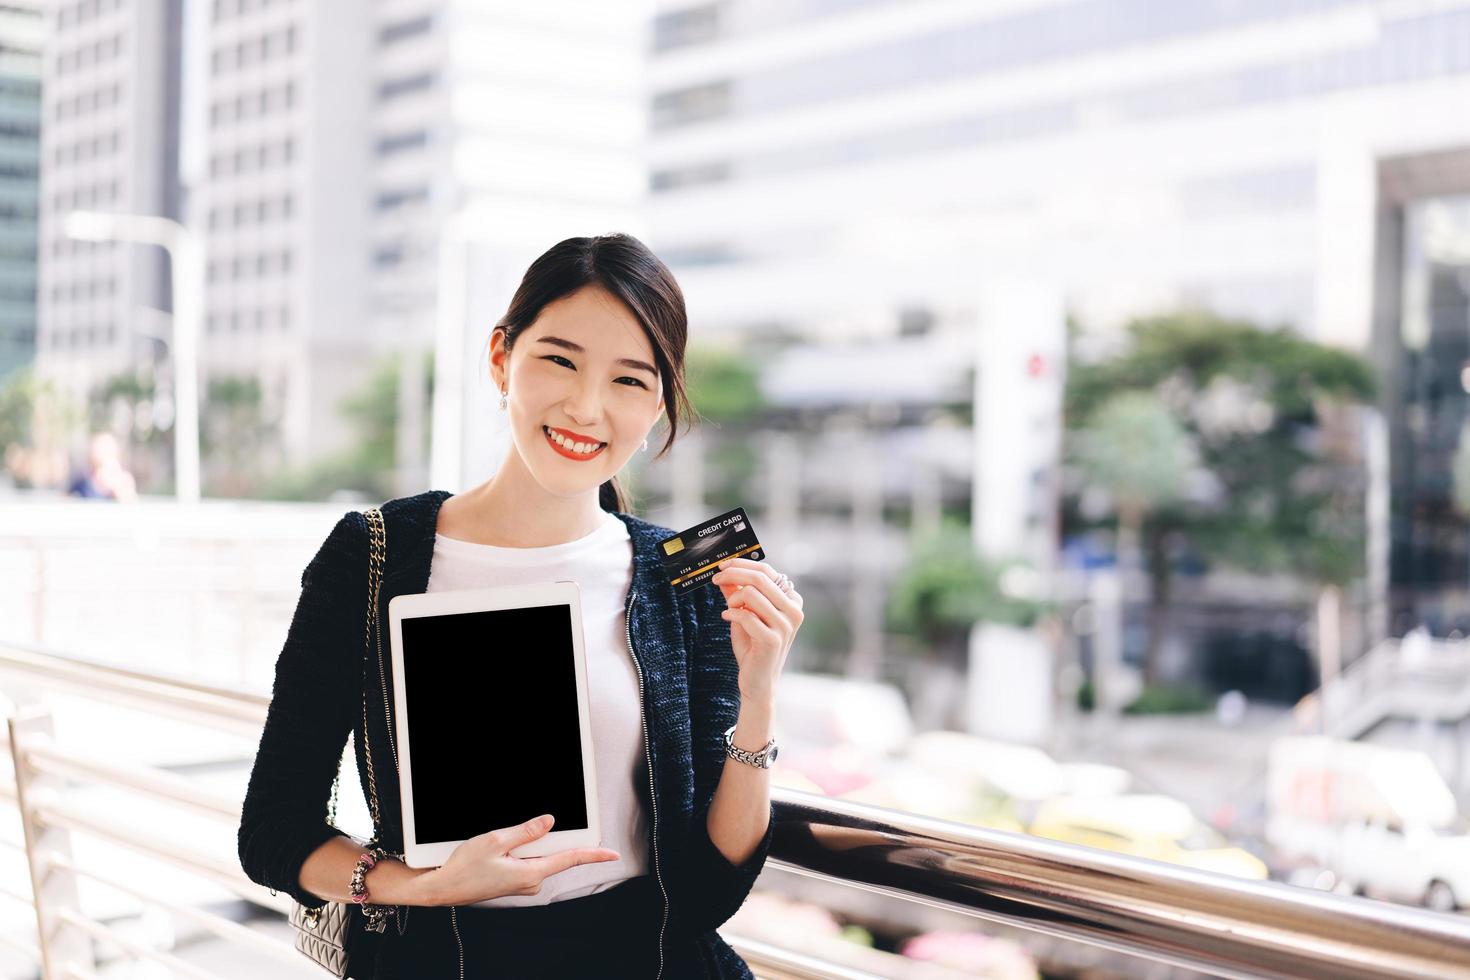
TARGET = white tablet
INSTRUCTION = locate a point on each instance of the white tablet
(493, 725)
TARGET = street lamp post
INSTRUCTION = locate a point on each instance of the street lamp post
(187, 259)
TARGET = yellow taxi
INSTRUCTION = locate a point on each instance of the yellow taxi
(1145, 825)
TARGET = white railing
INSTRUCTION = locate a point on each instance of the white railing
(204, 591)
(1226, 926)
(50, 819)
(1394, 679)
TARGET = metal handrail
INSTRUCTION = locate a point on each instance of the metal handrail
(227, 710)
(1227, 926)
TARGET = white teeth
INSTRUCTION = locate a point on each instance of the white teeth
(581, 448)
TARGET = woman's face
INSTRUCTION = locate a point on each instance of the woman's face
(583, 390)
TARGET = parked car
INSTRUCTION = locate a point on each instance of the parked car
(1380, 820)
(1144, 825)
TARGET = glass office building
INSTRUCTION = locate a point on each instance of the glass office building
(20, 147)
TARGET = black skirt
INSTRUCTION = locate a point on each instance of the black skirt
(611, 933)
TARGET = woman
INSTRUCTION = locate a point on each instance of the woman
(588, 356)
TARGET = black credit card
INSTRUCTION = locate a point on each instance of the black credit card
(692, 558)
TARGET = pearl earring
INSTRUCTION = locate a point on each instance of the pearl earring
(645, 445)
(502, 399)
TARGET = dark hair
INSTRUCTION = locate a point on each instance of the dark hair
(629, 270)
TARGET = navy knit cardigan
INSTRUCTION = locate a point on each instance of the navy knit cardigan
(691, 696)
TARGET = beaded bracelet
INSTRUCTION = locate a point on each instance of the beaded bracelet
(377, 915)
(365, 863)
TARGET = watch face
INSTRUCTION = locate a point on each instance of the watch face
(774, 751)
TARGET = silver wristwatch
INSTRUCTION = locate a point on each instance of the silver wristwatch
(761, 759)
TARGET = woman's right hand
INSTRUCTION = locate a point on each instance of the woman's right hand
(481, 868)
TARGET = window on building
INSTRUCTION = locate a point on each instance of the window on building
(397, 142)
(388, 255)
(692, 175)
(392, 199)
(404, 29)
(393, 88)
(696, 103)
(686, 27)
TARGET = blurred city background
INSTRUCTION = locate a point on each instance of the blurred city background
(1099, 369)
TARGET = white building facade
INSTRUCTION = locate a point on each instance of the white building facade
(827, 169)
(1140, 154)
(497, 131)
(282, 204)
(109, 142)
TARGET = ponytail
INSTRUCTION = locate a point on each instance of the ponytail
(610, 496)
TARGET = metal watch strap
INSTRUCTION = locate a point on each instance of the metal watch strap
(761, 759)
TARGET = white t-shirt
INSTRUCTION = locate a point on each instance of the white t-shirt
(601, 563)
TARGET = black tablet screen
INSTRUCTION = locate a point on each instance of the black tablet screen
(492, 721)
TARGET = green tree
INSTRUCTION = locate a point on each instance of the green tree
(236, 439)
(367, 467)
(1134, 448)
(723, 385)
(945, 588)
(1264, 410)
(37, 421)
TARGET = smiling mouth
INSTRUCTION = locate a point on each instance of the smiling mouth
(569, 448)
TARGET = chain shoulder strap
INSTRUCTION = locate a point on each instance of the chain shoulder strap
(372, 634)
(377, 550)
(372, 640)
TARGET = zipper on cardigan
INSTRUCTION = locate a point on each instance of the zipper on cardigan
(454, 924)
(652, 796)
(383, 684)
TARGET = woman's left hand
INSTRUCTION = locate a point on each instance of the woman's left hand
(763, 621)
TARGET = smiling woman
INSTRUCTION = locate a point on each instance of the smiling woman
(588, 356)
